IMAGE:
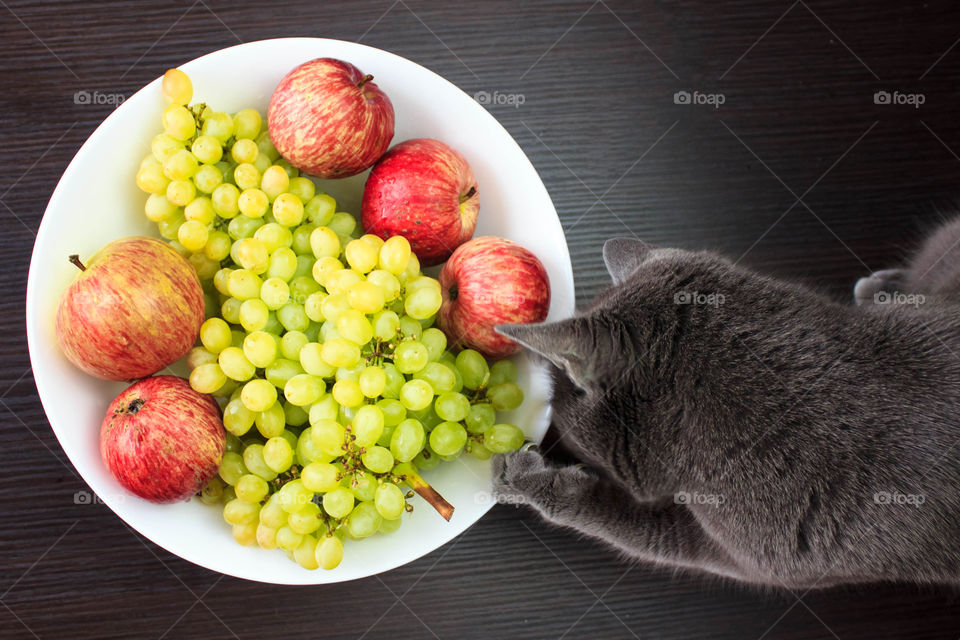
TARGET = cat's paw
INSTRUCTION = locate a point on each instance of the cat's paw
(878, 287)
(525, 477)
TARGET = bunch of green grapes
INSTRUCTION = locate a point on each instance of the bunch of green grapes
(336, 388)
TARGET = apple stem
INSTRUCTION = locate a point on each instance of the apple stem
(364, 80)
(75, 259)
(468, 195)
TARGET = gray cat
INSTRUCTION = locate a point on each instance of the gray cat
(751, 428)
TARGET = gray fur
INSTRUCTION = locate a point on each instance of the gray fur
(752, 428)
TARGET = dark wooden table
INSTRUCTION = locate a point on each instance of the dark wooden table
(799, 171)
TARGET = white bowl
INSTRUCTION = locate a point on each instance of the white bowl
(97, 201)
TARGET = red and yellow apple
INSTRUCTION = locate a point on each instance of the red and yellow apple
(488, 282)
(162, 440)
(135, 307)
(330, 120)
(424, 190)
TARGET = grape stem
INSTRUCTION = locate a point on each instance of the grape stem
(75, 260)
(409, 474)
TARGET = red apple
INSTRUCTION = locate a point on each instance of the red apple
(134, 308)
(424, 190)
(487, 282)
(162, 440)
(328, 119)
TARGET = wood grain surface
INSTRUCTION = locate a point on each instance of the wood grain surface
(799, 173)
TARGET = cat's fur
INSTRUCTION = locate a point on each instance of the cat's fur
(752, 428)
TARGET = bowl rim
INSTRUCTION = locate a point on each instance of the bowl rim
(46, 228)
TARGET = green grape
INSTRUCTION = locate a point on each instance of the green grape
(288, 209)
(355, 327)
(212, 492)
(254, 462)
(151, 179)
(407, 440)
(258, 395)
(180, 165)
(329, 552)
(366, 297)
(320, 477)
(481, 417)
(505, 396)
(253, 203)
(360, 255)
(416, 394)
(301, 287)
(305, 520)
(303, 389)
(225, 201)
(247, 123)
(300, 239)
(273, 325)
(200, 210)
(393, 411)
(254, 314)
(422, 303)
(244, 284)
(473, 367)
(239, 512)
(347, 393)
(231, 468)
(320, 209)
(178, 122)
(198, 356)
(440, 376)
(275, 181)
(281, 370)
(367, 425)
(293, 496)
(410, 329)
(410, 356)
(176, 87)
(372, 381)
(362, 485)
(293, 317)
(207, 179)
(251, 253)
(169, 228)
(275, 293)
(328, 436)
(290, 437)
(435, 341)
(387, 282)
(395, 254)
(158, 208)
(266, 536)
(181, 192)
(218, 246)
(245, 534)
(230, 310)
(343, 224)
(303, 188)
(278, 454)
(341, 280)
(339, 352)
(378, 459)
(338, 503)
(503, 438)
(215, 335)
(233, 442)
(426, 460)
(333, 306)
(307, 451)
(389, 501)
(219, 125)
(207, 378)
(312, 362)
(452, 406)
(283, 264)
(478, 450)
(448, 438)
(389, 526)
(244, 151)
(237, 419)
(502, 371)
(207, 149)
(363, 521)
(260, 348)
(251, 488)
(235, 364)
(295, 416)
(274, 236)
(288, 539)
(266, 145)
(395, 381)
(163, 146)
(291, 343)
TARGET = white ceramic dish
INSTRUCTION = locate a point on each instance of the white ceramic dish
(97, 201)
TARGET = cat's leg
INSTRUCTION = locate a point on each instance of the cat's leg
(879, 286)
(582, 500)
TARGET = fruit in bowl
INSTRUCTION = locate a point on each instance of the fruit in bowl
(232, 82)
(488, 282)
(424, 190)
(329, 119)
(134, 308)
(162, 440)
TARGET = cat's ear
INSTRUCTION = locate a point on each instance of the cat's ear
(623, 256)
(569, 344)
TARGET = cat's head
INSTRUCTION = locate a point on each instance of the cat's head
(616, 362)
